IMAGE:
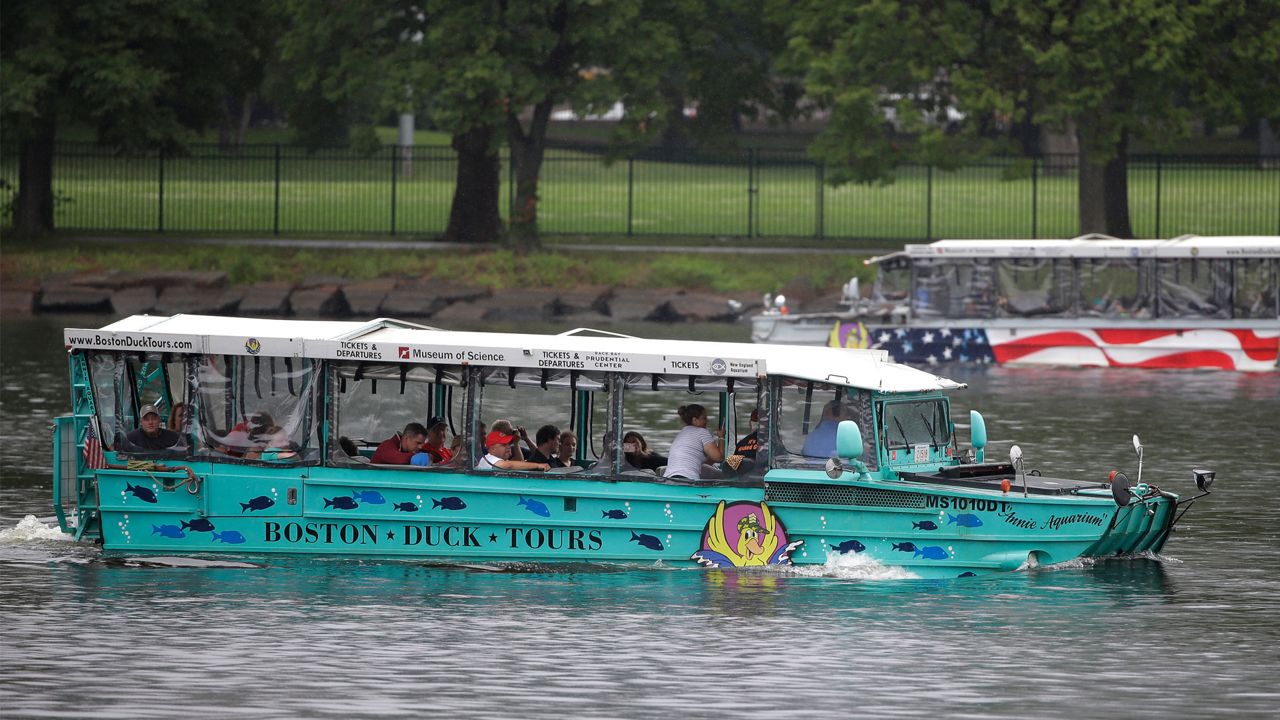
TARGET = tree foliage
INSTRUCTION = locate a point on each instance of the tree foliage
(140, 72)
(1112, 71)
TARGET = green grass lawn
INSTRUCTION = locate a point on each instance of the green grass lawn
(264, 190)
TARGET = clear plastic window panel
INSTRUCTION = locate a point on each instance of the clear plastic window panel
(1031, 287)
(1195, 288)
(1115, 288)
(106, 372)
(893, 281)
(518, 397)
(1257, 288)
(801, 430)
(258, 407)
(374, 402)
(958, 289)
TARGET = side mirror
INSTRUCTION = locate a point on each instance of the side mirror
(978, 435)
(835, 468)
(1015, 455)
(848, 440)
(1204, 479)
(1137, 445)
(1120, 488)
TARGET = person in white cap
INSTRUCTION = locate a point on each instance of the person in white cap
(151, 436)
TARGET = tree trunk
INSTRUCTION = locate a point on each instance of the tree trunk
(33, 211)
(527, 150)
(474, 216)
(1104, 191)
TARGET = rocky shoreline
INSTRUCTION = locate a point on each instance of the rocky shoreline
(192, 292)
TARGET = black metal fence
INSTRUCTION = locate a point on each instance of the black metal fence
(280, 189)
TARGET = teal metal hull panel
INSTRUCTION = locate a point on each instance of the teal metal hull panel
(475, 517)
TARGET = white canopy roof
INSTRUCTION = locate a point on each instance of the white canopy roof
(1097, 246)
(387, 340)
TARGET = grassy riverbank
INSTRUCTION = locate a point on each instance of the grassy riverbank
(29, 263)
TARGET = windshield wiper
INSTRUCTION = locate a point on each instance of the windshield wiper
(933, 437)
(903, 433)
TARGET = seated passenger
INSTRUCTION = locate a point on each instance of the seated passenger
(507, 428)
(150, 436)
(639, 454)
(568, 444)
(500, 448)
(178, 421)
(694, 445)
(548, 439)
(434, 446)
(822, 441)
(749, 444)
(400, 448)
(278, 447)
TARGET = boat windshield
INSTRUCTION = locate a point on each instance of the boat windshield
(919, 422)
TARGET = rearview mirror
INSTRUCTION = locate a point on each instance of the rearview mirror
(978, 435)
(848, 440)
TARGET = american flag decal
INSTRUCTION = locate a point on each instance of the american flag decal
(93, 457)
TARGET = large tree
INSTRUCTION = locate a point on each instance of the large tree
(1112, 71)
(488, 73)
(142, 73)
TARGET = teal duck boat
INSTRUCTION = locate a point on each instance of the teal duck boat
(384, 439)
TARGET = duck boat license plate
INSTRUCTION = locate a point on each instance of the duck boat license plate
(921, 453)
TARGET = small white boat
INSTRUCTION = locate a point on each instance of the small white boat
(1189, 302)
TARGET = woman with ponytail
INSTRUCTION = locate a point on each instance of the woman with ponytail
(694, 445)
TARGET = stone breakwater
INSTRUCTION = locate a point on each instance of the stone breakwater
(210, 293)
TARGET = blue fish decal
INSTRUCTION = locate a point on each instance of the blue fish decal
(932, 552)
(407, 507)
(169, 531)
(964, 520)
(613, 514)
(905, 547)
(924, 525)
(231, 537)
(371, 497)
(262, 502)
(342, 502)
(537, 508)
(448, 503)
(142, 493)
(848, 545)
(648, 541)
(198, 525)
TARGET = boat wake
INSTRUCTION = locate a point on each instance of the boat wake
(31, 529)
(852, 566)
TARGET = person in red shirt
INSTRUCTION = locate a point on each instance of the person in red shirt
(436, 427)
(399, 448)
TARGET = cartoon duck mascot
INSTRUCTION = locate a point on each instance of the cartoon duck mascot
(759, 537)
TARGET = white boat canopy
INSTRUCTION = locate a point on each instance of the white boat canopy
(388, 340)
(1096, 246)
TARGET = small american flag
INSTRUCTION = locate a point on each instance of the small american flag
(93, 457)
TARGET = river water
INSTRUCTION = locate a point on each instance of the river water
(1192, 633)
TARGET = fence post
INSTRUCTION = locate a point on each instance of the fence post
(160, 204)
(275, 223)
(751, 191)
(631, 191)
(1158, 173)
(395, 172)
(820, 202)
(928, 204)
(1034, 195)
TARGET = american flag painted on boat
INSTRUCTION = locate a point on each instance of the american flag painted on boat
(1228, 349)
(93, 457)
(931, 346)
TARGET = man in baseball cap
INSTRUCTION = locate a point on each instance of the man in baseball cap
(151, 435)
(498, 444)
(434, 446)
